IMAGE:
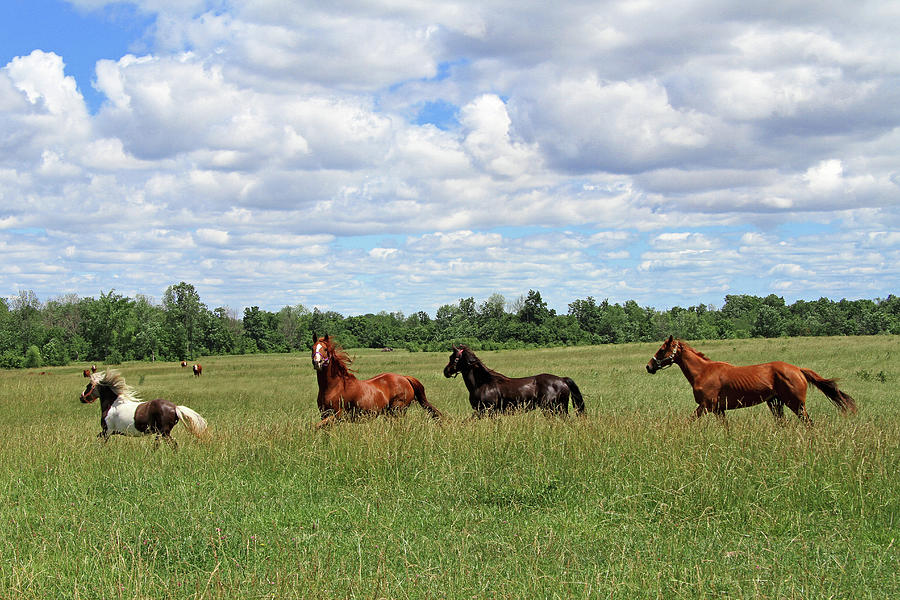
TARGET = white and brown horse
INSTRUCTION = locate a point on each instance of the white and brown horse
(198, 370)
(123, 413)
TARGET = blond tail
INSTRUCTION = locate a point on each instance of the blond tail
(192, 420)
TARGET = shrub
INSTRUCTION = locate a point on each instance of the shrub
(11, 360)
(33, 357)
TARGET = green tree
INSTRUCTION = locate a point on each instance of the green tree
(27, 316)
(183, 311)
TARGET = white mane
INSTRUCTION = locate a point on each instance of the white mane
(114, 381)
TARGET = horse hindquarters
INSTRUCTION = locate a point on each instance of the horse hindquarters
(419, 392)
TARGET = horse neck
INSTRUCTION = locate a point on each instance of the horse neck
(477, 375)
(107, 398)
(691, 363)
(332, 375)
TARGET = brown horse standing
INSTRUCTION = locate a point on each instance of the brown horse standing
(340, 391)
(719, 386)
(198, 370)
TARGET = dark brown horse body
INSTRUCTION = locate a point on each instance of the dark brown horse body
(490, 391)
(198, 370)
(719, 386)
(341, 393)
(122, 413)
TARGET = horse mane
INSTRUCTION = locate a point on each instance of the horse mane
(474, 361)
(692, 349)
(113, 380)
(341, 361)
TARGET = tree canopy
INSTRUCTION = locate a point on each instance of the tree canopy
(113, 328)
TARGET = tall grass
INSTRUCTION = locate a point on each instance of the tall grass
(629, 501)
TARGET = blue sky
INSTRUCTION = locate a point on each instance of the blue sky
(391, 156)
(80, 36)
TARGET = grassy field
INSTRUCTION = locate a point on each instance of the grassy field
(627, 502)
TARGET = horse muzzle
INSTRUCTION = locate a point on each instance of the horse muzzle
(450, 371)
(87, 399)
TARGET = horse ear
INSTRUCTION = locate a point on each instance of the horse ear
(325, 337)
(669, 340)
(315, 337)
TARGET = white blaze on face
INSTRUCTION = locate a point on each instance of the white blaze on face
(320, 356)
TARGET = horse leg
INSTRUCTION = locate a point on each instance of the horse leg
(701, 410)
(329, 419)
(103, 436)
(799, 409)
(703, 405)
(795, 398)
(776, 407)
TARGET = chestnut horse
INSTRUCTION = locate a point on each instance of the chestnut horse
(490, 391)
(719, 386)
(123, 413)
(341, 392)
(198, 370)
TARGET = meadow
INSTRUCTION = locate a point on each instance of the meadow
(629, 501)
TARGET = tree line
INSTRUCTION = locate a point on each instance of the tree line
(113, 328)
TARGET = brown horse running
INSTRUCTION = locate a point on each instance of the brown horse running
(340, 392)
(719, 386)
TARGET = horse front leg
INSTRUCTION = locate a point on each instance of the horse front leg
(103, 436)
(329, 419)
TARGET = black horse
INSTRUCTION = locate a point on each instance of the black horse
(490, 391)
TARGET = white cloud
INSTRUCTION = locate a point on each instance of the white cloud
(613, 145)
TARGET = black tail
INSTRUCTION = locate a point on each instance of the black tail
(419, 390)
(577, 399)
(829, 387)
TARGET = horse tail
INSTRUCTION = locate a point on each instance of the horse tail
(829, 387)
(577, 399)
(419, 391)
(192, 420)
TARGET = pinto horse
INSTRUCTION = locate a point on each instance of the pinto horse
(198, 370)
(123, 413)
(341, 392)
(490, 391)
(719, 386)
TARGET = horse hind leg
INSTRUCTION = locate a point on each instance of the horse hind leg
(776, 406)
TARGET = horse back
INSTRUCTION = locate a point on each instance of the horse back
(758, 383)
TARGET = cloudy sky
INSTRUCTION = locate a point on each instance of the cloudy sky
(402, 154)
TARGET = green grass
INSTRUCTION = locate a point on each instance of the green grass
(628, 502)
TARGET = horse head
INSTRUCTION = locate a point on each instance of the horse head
(322, 351)
(666, 356)
(453, 366)
(91, 392)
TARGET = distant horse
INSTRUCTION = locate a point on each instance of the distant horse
(341, 392)
(87, 372)
(719, 386)
(183, 364)
(490, 391)
(123, 413)
(198, 370)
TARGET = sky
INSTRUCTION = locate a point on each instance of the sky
(398, 155)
